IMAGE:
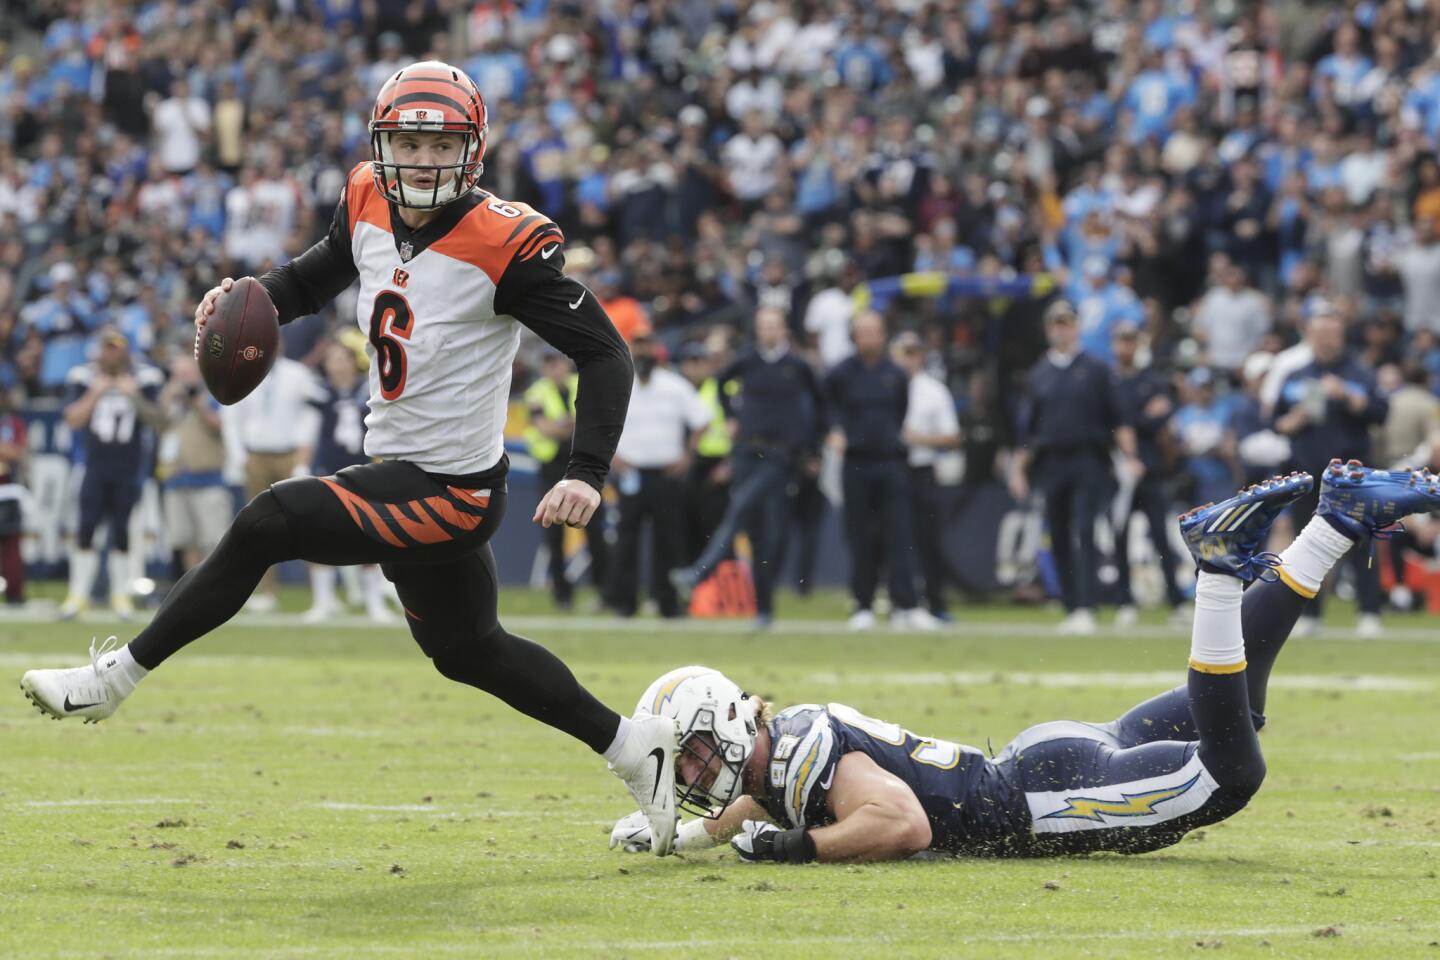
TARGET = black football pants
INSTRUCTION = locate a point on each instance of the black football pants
(430, 534)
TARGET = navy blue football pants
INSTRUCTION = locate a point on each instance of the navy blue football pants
(1186, 758)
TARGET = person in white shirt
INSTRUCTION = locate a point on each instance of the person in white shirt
(828, 316)
(181, 122)
(269, 436)
(1231, 319)
(664, 423)
(931, 427)
(753, 157)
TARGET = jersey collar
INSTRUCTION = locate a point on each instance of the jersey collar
(411, 243)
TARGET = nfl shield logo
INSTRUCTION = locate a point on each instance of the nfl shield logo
(406, 250)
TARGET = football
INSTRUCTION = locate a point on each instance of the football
(237, 347)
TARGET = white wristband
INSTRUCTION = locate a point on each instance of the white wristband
(692, 835)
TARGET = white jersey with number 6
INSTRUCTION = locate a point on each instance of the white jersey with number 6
(440, 354)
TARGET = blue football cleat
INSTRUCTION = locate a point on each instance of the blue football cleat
(1226, 537)
(1363, 502)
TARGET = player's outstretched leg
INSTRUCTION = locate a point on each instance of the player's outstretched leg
(207, 596)
(1226, 540)
(1355, 504)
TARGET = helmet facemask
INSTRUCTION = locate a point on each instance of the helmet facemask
(464, 172)
(731, 741)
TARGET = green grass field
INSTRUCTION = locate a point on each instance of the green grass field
(283, 791)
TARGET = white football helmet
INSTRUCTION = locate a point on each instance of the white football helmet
(705, 701)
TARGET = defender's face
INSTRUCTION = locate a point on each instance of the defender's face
(691, 767)
(426, 150)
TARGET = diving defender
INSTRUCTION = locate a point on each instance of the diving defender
(448, 273)
(827, 783)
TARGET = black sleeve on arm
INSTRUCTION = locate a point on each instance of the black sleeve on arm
(305, 284)
(568, 317)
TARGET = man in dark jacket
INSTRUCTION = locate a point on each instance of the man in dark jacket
(1327, 408)
(1148, 407)
(868, 396)
(1071, 416)
(776, 411)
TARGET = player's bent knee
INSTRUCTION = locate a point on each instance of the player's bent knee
(262, 529)
(1243, 779)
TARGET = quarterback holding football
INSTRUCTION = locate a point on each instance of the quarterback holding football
(447, 275)
(827, 783)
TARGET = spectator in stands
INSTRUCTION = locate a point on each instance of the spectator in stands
(1202, 430)
(1418, 264)
(1072, 414)
(63, 321)
(182, 125)
(1327, 409)
(1413, 414)
(868, 396)
(828, 317)
(1231, 319)
(662, 428)
(551, 404)
(198, 504)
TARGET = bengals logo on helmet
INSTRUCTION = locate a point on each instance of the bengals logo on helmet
(429, 97)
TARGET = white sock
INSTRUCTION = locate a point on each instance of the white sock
(118, 564)
(612, 752)
(322, 586)
(123, 671)
(1216, 639)
(354, 587)
(83, 564)
(1306, 561)
(375, 592)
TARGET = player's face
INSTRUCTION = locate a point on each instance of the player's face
(692, 767)
(426, 150)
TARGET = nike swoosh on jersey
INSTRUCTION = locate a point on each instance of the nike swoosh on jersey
(825, 784)
(577, 302)
(549, 251)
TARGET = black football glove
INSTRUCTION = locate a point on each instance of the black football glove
(758, 841)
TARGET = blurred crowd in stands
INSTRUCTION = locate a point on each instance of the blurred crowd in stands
(1198, 181)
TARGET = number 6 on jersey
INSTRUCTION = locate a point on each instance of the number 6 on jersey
(390, 322)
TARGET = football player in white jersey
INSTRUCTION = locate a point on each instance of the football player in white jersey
(447, 275)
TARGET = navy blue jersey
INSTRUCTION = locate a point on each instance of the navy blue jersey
(341, 442)
(115, 441)
(973, 808)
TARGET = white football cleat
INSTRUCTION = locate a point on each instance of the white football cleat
(91, 692)
(1368, 627)
(1080, 623)
(647, 765)
(916, 618)
(1126, 616)
(862, 620)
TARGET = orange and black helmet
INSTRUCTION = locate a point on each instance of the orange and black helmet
(429, 97)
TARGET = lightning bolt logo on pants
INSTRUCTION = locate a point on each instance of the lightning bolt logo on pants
(1134, 804)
